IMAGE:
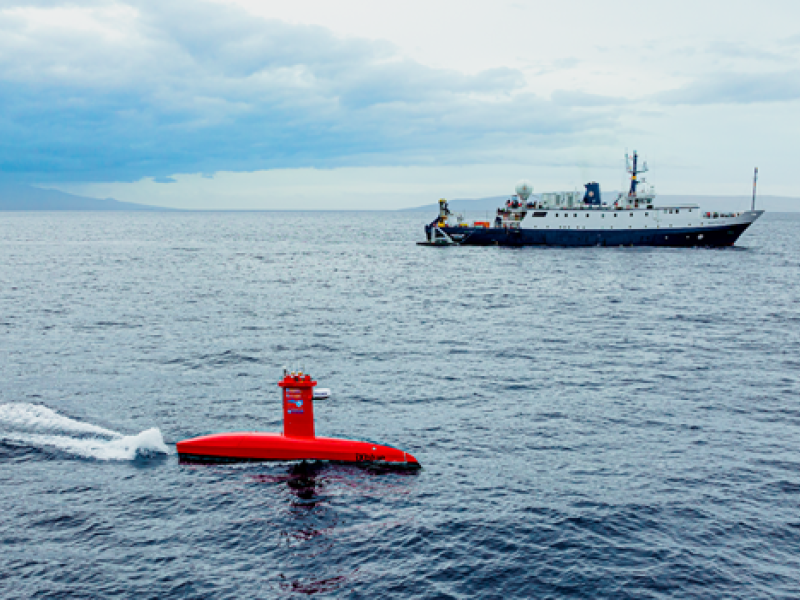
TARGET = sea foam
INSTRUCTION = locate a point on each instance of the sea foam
(38, 426)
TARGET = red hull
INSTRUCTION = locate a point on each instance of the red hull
(254, 445)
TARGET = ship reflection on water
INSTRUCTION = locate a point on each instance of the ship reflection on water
(308, 529)
(304, 482)
(321, 512)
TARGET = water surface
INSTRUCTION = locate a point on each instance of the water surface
(595, 422)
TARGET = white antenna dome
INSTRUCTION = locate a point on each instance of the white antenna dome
(524, 189)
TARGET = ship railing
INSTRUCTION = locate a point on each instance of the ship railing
(721, 215)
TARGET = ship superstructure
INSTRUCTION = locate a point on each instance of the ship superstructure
(558, 219)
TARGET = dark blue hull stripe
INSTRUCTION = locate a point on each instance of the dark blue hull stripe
(696, 236)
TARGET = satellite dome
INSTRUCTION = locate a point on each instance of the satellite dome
(524, 189)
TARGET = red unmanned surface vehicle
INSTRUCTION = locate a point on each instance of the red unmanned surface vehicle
(297, 442)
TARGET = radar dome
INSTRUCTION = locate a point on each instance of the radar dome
(524, 189)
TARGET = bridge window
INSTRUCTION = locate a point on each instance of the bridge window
(677, 211)
(646, 214)
(615, 215)
(631, 214)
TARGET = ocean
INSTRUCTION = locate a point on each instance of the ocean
(591, 422)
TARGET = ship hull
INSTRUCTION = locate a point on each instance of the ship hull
(260, 446)
(716, 236)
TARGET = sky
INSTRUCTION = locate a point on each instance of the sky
(257, 104)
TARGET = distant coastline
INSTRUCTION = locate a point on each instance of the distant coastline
(17, 197)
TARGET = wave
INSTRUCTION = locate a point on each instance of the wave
(38, 426)
(35, 416)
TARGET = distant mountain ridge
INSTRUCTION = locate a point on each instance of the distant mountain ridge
(20, 197)
(17, 197)
(770, 203)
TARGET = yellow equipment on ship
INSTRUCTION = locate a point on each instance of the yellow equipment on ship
(443, 212)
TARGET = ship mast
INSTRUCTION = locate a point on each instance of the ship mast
(634, 170)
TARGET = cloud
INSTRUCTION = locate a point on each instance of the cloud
(164, 180)
(574, 98)
(736, 88)
(107, 91)
(120, 91)
(743, 51)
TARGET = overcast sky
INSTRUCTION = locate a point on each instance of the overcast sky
(369, 104)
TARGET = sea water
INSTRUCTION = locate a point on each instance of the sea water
(597, 422)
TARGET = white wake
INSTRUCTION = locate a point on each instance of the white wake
(39, 426)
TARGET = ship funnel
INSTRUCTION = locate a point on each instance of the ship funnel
(524, 189)
(592, 195)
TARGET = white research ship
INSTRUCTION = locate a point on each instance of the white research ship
(566, 219)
